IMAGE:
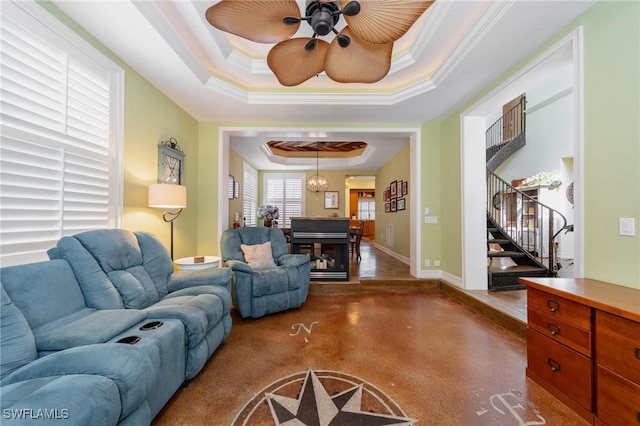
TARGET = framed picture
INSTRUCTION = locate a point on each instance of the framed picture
(399, 190)
(394, 189)
(387, 207)
(404, 188)
(400, 203)
(236, 189)
(394, 205)
(331, 199)
(231, 185)
(170, 166)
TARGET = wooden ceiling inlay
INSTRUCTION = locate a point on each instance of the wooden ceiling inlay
(308, 149)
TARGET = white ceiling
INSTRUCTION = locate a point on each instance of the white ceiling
(454, 50)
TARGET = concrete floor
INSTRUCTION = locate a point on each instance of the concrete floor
(368, 356)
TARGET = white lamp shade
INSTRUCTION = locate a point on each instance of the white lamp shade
(167, 196)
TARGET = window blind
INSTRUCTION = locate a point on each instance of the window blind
(57, 145)
(285, 190)
(250, 195)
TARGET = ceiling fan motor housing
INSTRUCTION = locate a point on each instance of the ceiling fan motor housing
(323, 16)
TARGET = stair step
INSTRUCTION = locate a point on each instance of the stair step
(499, 241)
(505, 254)
(503, 279)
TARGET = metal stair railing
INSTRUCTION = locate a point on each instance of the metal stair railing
(506, 136)
(534, 232)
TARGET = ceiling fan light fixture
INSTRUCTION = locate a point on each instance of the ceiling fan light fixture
(323, 15)
(351, 9)
(360, 52)
(343, 40)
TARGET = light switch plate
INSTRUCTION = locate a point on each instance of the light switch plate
(627, 226)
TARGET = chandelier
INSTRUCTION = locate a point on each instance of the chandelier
(316, 183)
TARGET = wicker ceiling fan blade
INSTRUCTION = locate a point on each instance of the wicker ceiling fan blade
(259, 21)
(293, 64)
(360, 62)
(385, 21)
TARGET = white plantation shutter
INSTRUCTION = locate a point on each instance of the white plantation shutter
(249, 195)
(285, 190)
(59, 110)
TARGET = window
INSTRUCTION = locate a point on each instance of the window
(366, 209)
(60, 135)
(249, 195)
(285, 190)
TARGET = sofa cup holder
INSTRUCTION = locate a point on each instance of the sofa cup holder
(129, 340)
(151, 325)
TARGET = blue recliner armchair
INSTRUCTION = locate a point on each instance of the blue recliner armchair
(121, 269)
(258, 291)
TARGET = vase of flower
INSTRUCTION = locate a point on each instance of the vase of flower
(268, 214)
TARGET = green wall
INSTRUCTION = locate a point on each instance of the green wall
(394, 170)
(612, 140)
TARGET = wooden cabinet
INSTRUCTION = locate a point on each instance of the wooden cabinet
(618, 369)
(559, 348)
(583, 346)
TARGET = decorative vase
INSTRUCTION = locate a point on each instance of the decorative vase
(267, 223)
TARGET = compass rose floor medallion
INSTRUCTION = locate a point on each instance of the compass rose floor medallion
(321, 398)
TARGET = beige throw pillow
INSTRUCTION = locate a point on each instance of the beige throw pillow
(258, 256)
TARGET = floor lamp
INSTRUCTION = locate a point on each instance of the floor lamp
(167, 196)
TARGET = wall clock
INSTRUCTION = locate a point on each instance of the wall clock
(170, 163)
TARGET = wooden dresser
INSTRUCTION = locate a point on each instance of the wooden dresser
(583, 346)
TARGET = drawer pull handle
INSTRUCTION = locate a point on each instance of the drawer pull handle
(553, 305)
(555, 365)
(553, 329)
(638, 357)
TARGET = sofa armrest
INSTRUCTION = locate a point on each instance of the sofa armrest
(127, 366)
(293, 259)
(239, 266)
(210, 276)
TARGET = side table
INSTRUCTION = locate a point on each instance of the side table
(188, 263)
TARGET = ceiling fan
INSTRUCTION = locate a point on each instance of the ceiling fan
(360, 52)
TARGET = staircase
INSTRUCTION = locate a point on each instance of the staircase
(516, 247)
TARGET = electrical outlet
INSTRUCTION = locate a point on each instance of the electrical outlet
(436, 263)
(427, 263)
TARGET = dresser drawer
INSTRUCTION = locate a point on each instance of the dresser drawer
(618, 345)
(559, 307)
(561, 331)
(561, 367)
(618, 399)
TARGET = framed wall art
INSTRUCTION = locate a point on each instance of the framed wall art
(400, 204)
(331, 199)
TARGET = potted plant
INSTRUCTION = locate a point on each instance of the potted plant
(269, 214)
(550, 179)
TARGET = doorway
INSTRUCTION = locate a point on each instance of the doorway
(474, 122)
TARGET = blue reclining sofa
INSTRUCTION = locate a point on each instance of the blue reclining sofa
(106, 331)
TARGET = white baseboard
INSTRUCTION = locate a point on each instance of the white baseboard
(393, 254)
